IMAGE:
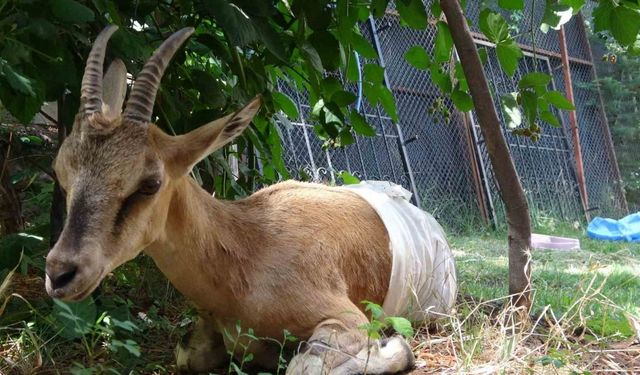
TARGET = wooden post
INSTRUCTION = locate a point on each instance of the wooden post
(573, 121)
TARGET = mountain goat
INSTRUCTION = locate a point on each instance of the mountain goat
(295, 256)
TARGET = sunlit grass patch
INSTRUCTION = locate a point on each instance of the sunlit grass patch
(584, 310)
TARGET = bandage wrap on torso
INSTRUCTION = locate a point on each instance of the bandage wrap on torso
(423, 279)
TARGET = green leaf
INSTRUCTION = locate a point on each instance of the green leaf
(576, 5)
(378, 7)
(625, 24)
(555, 15)
(511, 110)
(347, 17)
(601, 16)
(15, 247)
(362, 46)
(270, 37)
(286, 104)
(32, 139)
(23, 107)
(345, 138)
(400, 325)
(41, 27)
(462, 100)
(317, 108)
(534, 79)
(413, 13)
(418, 57)
(311, 55)
(343, 98)
(328, 49)
(360, 125)
(373, 73)
(126, 325)
(348, 178)
(372, 93)
(213, 43)
(211, 91)
(332, 114)
(129, 345)
(353, 73)
(444, 43)
(16, 80)
(511, 4)
(550, 118)
(529, 105)
(330, 85)
(509, 53)
(493, 26)
(74, 318)
(376, 310)
(388, 102)
(71, 11)
(318, 14)
(459, 75)
(441, 78)
(436, 10)
(558, 100)
(132, 347)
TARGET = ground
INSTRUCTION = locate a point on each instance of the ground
(584, 319)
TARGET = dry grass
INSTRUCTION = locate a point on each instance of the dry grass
(485, 340)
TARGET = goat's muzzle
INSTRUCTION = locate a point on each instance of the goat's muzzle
(68, 279)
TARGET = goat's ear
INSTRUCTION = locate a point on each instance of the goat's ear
(114, 89)
(182, 152)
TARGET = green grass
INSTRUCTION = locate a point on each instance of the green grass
(607, 272)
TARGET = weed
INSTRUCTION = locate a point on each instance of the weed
(241, 341)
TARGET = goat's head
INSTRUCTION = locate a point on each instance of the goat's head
(118, 170)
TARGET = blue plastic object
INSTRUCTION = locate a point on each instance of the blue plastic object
(625, 229)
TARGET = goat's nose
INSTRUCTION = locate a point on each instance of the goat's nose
(61, 274)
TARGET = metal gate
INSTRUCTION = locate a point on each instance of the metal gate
(440, 156)
(545, 167)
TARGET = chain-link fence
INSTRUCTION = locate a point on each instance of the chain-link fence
(438, 152)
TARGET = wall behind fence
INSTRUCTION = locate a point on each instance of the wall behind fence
(438, 153)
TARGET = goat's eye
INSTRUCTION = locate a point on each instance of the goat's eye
(149, 187)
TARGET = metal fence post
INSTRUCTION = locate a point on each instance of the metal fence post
(609, 138)
(401, 143)
(573, 121)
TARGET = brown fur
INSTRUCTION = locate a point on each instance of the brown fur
(295, 256)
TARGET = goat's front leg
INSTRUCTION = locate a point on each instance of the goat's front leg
(202, 350)
(341, 347)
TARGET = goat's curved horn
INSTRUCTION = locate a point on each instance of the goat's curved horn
(140, 104)
(91, 89)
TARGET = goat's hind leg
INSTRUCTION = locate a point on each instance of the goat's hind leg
(341, 347)
(202, 350)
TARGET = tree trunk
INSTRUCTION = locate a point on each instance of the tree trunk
(11, 220)
(517, 209)
(57, 213)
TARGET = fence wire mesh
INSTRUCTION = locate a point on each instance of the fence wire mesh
(439, 154)
(545, 167)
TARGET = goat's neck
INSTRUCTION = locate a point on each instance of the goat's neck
(203, 249)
